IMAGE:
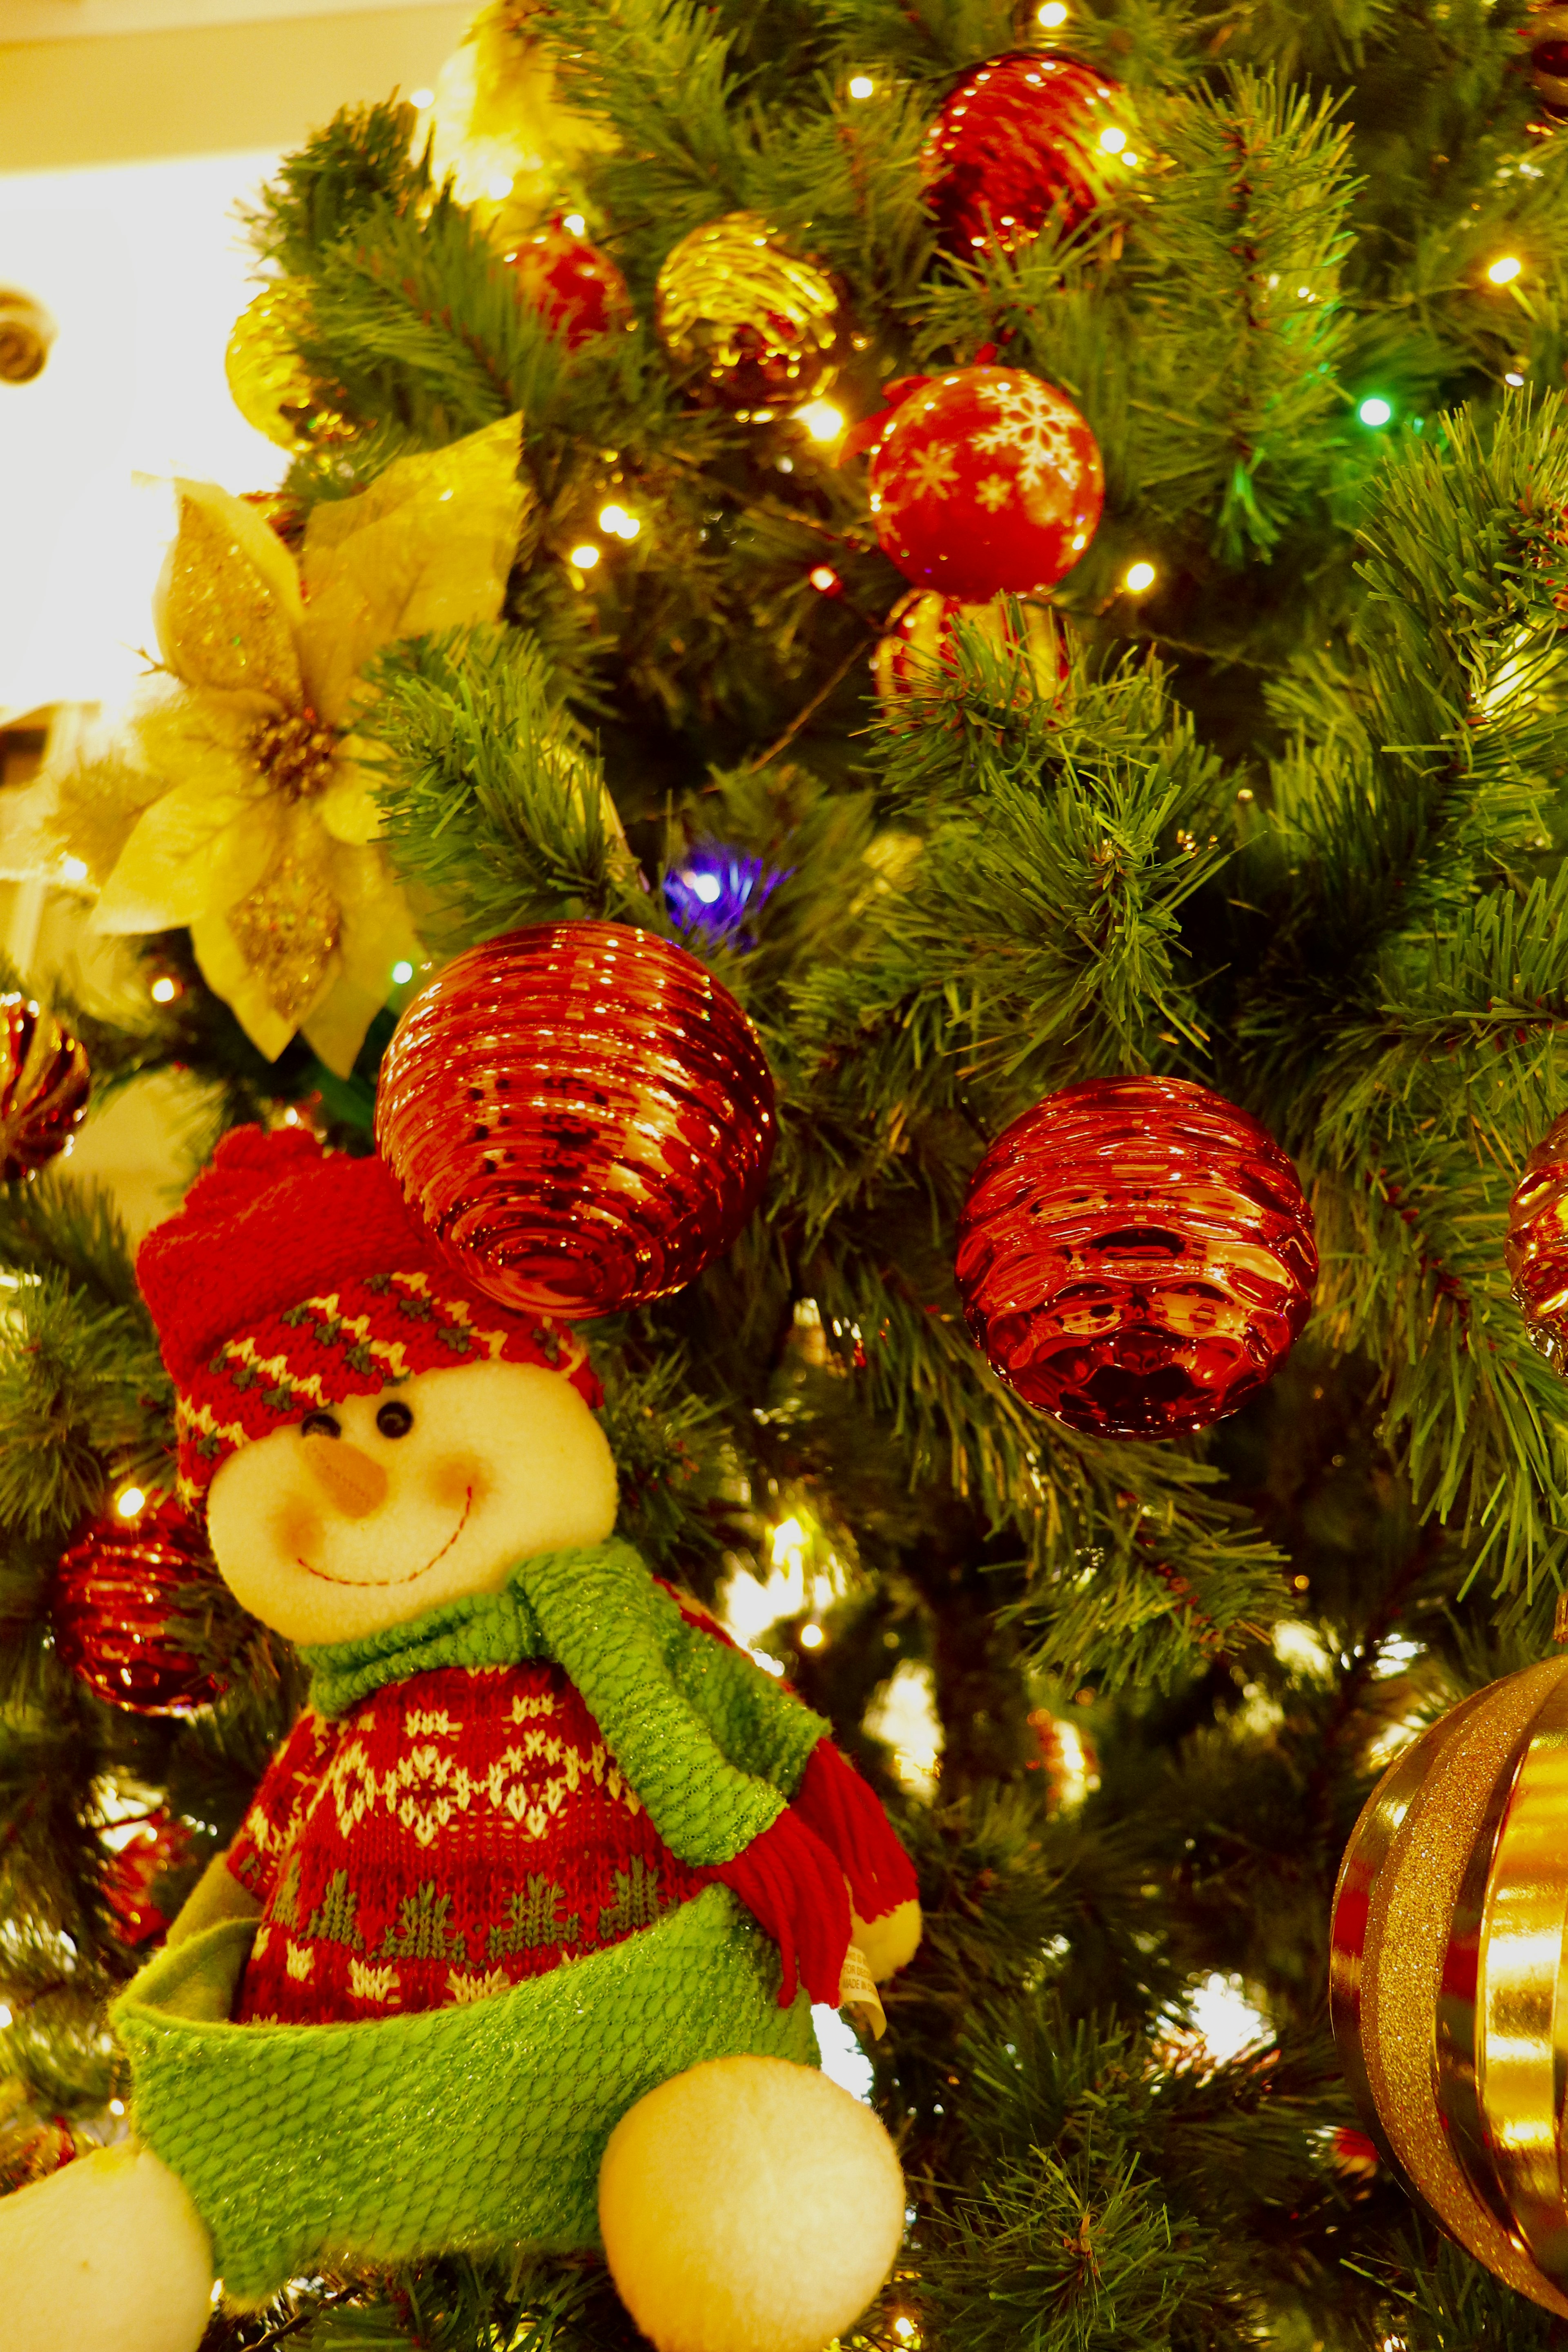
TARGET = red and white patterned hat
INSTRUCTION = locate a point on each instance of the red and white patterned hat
(292, 1277)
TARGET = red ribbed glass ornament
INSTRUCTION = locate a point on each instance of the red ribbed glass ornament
(1023, 140)
(581, 1114)
(985, 482)
(1537, 1245)
(578, 289)
(43, 1086)
(1136, 1256)
(115, 1610)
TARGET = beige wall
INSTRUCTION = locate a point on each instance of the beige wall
(209, 89)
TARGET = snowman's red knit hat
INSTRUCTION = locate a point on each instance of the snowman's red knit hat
(292, 1277)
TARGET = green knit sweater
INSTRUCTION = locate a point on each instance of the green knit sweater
(307, 2147)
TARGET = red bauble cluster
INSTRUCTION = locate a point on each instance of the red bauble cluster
(918, 652)
(143, 1852)
(1136, 1256)
(1025, 139)
(43, 1086)
(985, 482)
(578, 289)
(1537, 1247)
(582, 1115)
(116, 1607)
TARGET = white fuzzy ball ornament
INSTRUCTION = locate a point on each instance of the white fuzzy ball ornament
(749, 2202)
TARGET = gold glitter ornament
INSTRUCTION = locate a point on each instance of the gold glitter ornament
(500, 129)
(271, 384)
(1449, 1939)
(753, 326)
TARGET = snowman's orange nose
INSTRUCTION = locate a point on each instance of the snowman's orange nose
(353, 1484)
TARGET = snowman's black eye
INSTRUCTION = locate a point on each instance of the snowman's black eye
(394, 1420)
(321, 1425)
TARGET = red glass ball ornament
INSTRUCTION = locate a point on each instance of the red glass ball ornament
(1025, 139)
(579, 289)
(142, 1853)
(1537, 1245)
(43, 1086)
(1546, 29)
(1136, 1256)
(918, 653)
(581, 1114)
(115, 1610)
(986, 482)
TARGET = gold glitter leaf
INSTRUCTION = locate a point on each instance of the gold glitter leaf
(229, 602)
(288, 930)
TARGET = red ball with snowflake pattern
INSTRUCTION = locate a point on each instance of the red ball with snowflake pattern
(578, 289)
(985, 482)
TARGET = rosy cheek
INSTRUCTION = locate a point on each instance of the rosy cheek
(298, 1528)
(458, 1482)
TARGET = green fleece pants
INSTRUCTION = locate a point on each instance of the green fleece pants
(323, 2147)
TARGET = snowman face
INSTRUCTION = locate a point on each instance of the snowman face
(369, 1513)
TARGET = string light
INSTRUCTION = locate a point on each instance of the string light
(74, 869)
(402, 972)
(499, 188)
(811, 1637)
(584, 557)
(1375, 411)
(421, 99)
(861, 86)
(821, 420)
(131, 1501)
(826, 580)
(163, 991)
(1138, 577)
(1504, 270)
(1515, 380)
(1113, 138)
(574, 222)
(618, 522)
(1050, 14)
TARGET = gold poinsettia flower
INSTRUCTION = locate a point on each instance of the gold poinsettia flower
(257, 825)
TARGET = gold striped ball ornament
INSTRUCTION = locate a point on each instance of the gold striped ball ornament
(1537, 1247)
(1546, 30)
(268, 382)
(749, 324)
(1449, 1945)
(44, 1087)
(918, 655)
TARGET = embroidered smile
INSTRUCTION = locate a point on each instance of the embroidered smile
(382, 1583)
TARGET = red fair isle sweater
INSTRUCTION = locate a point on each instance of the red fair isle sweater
(454, 1832)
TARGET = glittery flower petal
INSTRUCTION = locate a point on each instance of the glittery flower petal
(428, 546)
(377, 932)
(348, 808)
(227, 603)
(227, 972)
(196, 849)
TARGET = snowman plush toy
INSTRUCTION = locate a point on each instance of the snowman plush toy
(517, 1942)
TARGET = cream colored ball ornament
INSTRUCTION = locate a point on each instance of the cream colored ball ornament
(364, 1516)
(108, 2250)
(749, 2202)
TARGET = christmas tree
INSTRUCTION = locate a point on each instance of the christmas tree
(608, 478)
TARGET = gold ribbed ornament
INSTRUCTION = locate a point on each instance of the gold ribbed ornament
(1546, 29)
(1450, 1944)
(1536, 1251)
(271, 384)
(753, 326)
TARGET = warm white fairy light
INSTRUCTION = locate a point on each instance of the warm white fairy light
(1113, 138)
(1138, 577)
(618, 522)
(574, 222)
(821, 420)
(1505, 269)
(811, 1637)
(903, 1716)
(402, 972)
(584, 557)
(131, 1501)
(1050, 14)
(73, 869)
(163, 990)
(861, 86)
(498, 187)
(421, 99)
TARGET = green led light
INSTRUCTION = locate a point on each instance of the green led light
(1375, 411)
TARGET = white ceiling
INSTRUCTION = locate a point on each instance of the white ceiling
(74, 20)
